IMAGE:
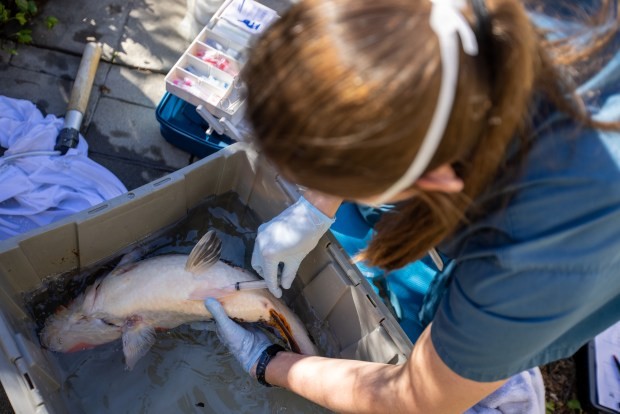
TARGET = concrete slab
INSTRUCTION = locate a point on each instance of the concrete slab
(132, 174)
(81, 22)
(62, 68)
(152, 38)
(131, 132)
(55, 63)
(5, 56)
(49, 93)
(139, 86)
(280, 6)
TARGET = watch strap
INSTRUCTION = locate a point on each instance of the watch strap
(264, 359)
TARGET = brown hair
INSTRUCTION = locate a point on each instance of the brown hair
(342, 92)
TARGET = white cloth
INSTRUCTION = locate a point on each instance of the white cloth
(38, 190)
(523, 393)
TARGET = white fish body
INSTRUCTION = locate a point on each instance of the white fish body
(161, 293)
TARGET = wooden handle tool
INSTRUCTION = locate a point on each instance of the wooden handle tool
(80, 93)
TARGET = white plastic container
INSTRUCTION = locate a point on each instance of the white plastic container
(229, 34)
(328, 288)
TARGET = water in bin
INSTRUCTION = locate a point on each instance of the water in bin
(187, 370)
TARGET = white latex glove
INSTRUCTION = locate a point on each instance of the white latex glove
(287, 239)
(245, 344)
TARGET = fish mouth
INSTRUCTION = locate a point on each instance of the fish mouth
(279, 322)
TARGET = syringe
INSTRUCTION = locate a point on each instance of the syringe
(218, 292)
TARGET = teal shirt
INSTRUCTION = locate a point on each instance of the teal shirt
(534, 282)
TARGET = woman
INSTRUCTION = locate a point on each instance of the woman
(470, 121)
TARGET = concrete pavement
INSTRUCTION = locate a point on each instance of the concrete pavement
(141, 41)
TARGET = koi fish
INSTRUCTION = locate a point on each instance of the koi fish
(163, 292)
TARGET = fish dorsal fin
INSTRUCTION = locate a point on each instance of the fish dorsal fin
(205, 253)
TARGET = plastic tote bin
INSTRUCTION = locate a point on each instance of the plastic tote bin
(328, 287)
(181, 126)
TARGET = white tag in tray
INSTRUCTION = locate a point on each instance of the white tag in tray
(249, 16)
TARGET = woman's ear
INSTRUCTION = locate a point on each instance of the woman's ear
(442, 178)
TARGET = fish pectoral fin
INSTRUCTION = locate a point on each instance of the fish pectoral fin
(138, 337)
(205, 253)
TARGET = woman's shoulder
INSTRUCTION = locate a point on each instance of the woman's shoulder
(567, 198)
(563, 210)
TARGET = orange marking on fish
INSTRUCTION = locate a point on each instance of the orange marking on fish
(60, 309)
(279, 322)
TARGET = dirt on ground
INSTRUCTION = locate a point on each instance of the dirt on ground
(561, 379)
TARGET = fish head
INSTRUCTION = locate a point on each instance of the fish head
(74, 328)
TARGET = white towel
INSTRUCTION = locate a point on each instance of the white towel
(38, 190)
(524, 393)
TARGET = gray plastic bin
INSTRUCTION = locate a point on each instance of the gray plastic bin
(335, 291)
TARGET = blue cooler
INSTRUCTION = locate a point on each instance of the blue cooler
(181, 126)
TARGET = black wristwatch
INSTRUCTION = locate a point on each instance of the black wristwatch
(263, 360)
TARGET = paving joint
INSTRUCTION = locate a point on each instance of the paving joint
(138, 163)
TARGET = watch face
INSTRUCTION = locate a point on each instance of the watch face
(274, 349)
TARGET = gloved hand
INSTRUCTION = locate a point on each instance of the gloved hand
(245, 344)
(288, 238)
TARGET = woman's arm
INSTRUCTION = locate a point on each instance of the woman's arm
(327, 204)
(424, 384)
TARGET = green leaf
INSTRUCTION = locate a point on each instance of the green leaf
(32, 7)
(22, 5)
(574, 405)
(550, 406)
(21, 18)
(24, 36)
(4, 16)
(51, 21)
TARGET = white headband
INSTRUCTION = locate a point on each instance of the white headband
(446, 21)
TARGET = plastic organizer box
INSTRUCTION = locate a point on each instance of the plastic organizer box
(207, 72)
